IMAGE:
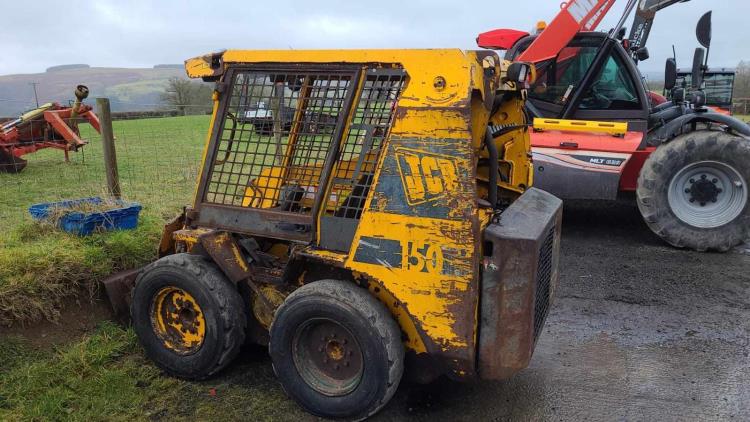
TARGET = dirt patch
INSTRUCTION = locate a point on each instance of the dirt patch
(77, 318)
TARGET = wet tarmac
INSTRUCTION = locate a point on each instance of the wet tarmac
(638, 331)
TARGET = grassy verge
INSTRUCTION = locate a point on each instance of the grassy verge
(104, 377)
(40, 266)
(103, 374)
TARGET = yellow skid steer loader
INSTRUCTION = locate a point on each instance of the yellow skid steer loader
(357, 211)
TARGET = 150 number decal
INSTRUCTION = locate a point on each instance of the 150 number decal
(424, 258)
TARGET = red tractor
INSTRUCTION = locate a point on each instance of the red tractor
(597, 134)
(49, 126)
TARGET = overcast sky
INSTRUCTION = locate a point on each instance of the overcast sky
(37, 34)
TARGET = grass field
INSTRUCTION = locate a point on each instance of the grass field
(102, 374)
(158, 160)
(104, 377)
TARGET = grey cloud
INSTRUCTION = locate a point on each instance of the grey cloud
(36, 35)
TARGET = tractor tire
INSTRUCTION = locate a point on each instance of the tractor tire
(336, 350)
(188, 316)
(9, 163)
(693, 191)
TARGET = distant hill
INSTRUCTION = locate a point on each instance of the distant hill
(128, 89)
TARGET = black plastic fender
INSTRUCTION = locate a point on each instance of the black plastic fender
(674, 127)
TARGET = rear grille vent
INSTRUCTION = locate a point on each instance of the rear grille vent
(543, 280)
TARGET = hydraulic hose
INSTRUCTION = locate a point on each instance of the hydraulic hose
(489, 141)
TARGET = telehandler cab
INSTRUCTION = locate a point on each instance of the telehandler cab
(392, 221)
(597, 135)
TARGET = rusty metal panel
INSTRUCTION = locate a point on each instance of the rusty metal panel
(519, 276)
(226, 254)
(167, 244)
(118, 287)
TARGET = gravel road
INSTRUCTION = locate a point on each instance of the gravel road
(638, 331)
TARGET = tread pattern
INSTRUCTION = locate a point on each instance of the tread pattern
(654, 180)
(378, 316)
(231, 307)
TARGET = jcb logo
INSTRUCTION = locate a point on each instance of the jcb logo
(426, 177)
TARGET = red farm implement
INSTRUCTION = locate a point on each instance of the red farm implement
(49, 126)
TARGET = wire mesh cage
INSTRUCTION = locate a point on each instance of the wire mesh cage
(280, 128)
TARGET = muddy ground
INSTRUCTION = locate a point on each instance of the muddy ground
(638, 331)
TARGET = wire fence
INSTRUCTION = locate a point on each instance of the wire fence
(158, 158)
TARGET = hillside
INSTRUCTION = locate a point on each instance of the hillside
(128, 89)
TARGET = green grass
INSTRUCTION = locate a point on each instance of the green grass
(104, 376)
(158, 160)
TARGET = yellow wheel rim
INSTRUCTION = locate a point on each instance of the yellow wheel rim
(178, 321)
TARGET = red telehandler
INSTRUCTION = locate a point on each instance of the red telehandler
(597, 134)
(49, 126)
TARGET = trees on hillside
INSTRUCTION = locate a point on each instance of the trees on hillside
(187, 96)
(742, 80)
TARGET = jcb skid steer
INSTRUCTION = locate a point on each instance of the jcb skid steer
(385, 224)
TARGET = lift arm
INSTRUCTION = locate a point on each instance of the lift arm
(575, 16)
(644, 21)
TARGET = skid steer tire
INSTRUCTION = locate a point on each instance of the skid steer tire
(9, 163)
(336, 350)
(188, 317)
(693, 191)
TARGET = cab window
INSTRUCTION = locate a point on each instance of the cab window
(558, 79)
(612, 90)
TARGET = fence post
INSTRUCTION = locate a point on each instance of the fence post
(108, 146)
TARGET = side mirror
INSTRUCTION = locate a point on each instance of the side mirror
(670, 75)
(642, 54)
(621, 33)
(520, 73)
(703, 30)
(697, 77)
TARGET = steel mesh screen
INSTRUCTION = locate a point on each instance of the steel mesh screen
(275, 136)
(543, 281)
(362, 146)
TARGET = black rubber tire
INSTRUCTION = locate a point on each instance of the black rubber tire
(371, 324)
(218, 298)
(665, 163)
(9, 163)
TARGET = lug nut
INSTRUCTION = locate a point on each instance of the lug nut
(703, 204)
(687, 190)
(692, 180)
(703, 176)
(692, 200)
(713, 200)
(719, 190)
(714, 180)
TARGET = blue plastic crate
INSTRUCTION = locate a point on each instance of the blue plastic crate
(83, 224)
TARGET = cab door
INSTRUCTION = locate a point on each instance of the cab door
(580, 164)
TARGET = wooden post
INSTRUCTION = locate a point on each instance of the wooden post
(108, 146)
